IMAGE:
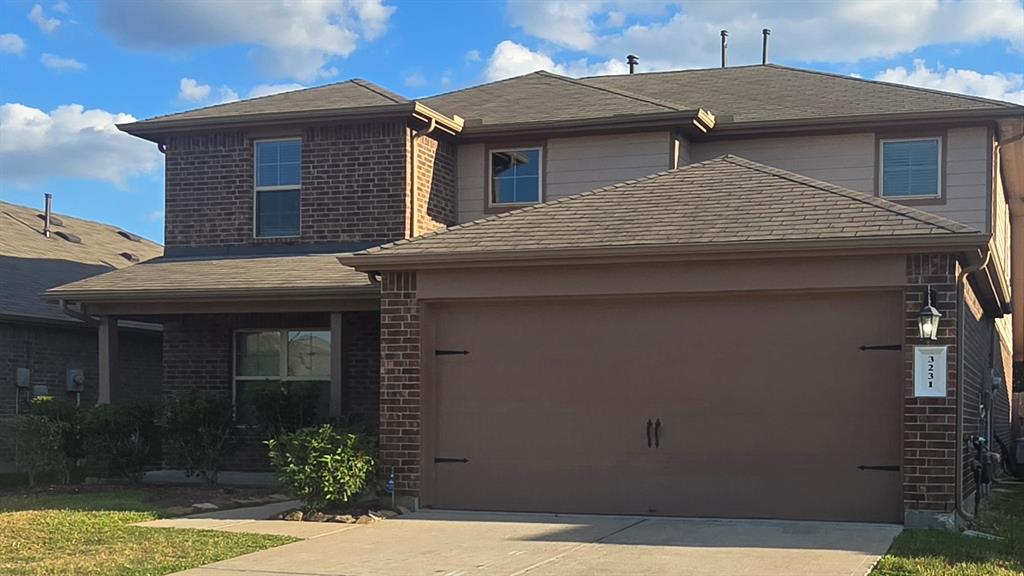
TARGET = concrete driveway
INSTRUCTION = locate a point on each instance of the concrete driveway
(492, 544)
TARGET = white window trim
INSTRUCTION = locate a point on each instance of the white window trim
(282, 364)
(256, 189)
(881, 169)
(490, 176)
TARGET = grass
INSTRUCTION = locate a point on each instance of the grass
(938, 553)
(91, 534)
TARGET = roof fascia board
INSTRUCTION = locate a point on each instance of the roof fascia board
(739, 250)
(182, 295)
(153, 309)
(864, 121)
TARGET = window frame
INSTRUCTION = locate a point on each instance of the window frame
(256, 188)
(940, 166)
(282, 362)
(500, 206)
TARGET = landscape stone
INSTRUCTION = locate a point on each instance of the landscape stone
(294, 515)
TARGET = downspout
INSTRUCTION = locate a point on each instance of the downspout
(78, 314)
(412, 175)
(961, 304)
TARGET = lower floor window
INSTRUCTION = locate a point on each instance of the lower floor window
(282, 378)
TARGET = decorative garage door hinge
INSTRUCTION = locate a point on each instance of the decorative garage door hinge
(444, 460)
(450, 352)
(882, 347)
(882, 468)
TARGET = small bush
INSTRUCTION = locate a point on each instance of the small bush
(68, 417)
(124, 437)
(322, 467)
(199, 429)
(276, 407)
(36, 442)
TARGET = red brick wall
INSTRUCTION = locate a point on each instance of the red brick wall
(353, 186)
(435, 186)
(198, 356)
(929, 424)
(48, 351)
(400, 380)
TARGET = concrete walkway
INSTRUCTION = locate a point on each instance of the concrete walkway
(254, 520)
(492, 544)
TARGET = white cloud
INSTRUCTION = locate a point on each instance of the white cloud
(155, 216)
(225, 94)
(512, 59)
(70, 142)
(270, 89)
(192, 91)
(414, 79)
(61, 7)
(682, 35)
(11, 44)
(61, 64)
(473, 56)
(39, 18)
(999, 86)
(292, 39)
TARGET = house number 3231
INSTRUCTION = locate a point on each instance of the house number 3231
(930, 371)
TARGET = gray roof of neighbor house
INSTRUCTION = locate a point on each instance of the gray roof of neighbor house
(31, 263)
(282, 276)
(728, 203)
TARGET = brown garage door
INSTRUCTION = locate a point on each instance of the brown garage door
(760, 407)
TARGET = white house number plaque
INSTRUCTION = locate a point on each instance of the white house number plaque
(930, 371)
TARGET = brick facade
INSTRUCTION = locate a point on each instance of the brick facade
(198, 356)
(400, 380)
(435, 186)
(49, 350)
(353, 186)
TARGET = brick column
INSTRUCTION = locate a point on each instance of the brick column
(929, 424)
(400, 381)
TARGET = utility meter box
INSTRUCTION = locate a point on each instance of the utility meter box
(76, 379)
(23, 377)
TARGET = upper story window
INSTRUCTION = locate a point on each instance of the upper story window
(278, 175)
(516, 176)
(911, 168)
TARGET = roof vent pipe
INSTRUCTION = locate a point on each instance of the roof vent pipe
(47, 214)
(765, 33)
(632, 61)
(725, 46)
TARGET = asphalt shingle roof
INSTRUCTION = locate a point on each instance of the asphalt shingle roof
(31, 263)
(725, 200)
(355, 93)
(165, 278)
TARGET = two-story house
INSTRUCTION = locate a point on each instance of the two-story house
(703, 292)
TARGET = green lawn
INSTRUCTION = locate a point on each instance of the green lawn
(91, 534)
(936, 553)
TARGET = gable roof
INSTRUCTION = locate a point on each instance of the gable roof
(761, 93)
(31, 263)
(544, 97)
(725, 203)
(356, 96)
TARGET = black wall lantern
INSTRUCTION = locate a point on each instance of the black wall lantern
(928, 318)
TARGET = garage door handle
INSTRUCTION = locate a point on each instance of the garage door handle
(657, 433)
(649, 426)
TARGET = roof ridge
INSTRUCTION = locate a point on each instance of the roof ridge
(475, 86)
(379, 90)
(624, 93)
(881, 203)
(654, 72)
(532, 207)
(910, 87)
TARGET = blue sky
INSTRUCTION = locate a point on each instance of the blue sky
(69, 70)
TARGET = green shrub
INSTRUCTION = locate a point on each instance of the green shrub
(276, 407)
(68, 417)
(322, 466)
(36, 443)
(123, 437)
(198, 430)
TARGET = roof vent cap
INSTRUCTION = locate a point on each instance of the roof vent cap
(130, 257)
(69, 237)
(53, 219)
(129, 236)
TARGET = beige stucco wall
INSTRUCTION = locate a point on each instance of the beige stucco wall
(571, 166)
(849, 160)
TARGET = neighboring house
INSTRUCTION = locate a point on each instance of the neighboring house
(43, 351)
(726, 329)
